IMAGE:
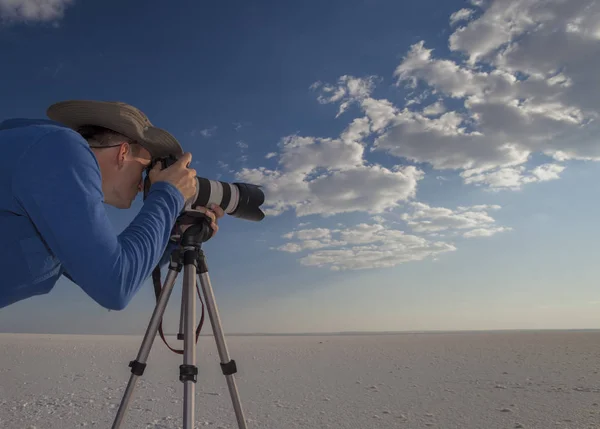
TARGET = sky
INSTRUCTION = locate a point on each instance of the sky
(428, 165)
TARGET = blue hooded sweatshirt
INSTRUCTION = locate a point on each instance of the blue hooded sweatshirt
(53, 220)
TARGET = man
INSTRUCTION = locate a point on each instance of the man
(55, 177)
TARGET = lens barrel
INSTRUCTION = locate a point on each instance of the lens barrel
(240, 200)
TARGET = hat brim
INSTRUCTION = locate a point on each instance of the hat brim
(120, 117)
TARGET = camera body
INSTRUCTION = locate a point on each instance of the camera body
(166, 161)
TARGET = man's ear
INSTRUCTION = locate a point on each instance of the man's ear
(121, 154)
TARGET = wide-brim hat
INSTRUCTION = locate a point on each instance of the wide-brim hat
(120, 117)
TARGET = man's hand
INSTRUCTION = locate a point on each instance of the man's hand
(178, 174)
(215, 212)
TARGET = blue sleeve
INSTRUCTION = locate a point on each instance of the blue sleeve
(58, 184)
(166, 258)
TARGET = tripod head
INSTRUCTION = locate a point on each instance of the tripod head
(197, 228)
(192, 228)
(196, 234)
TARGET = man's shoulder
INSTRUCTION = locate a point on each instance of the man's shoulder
(29, 130)
(39, 127)
(29, 133)
(30, 124)
(32, 146)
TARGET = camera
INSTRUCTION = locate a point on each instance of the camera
(240, 200)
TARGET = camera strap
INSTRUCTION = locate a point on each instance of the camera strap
(157, 290)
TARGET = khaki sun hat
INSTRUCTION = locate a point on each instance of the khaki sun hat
(120, 117)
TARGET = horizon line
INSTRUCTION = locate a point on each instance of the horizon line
(330, 333)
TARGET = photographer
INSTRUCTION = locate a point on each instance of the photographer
(55, 177)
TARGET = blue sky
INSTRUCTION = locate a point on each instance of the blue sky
(427, 166)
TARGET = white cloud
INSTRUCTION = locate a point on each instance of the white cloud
(467, 221)
(553, 46)
(379, 113)
(329, 176)
(434, 109)
(378, 219)
(363, 246)
(514, 177)
(461, 15)
(310, 234)
(503, 122)
(358, 130)
(547, 172)
(485, 232)
(305, 154)
(208, 132)
(290, 247)
(375, 245)
(33, 10)
(371, 189)
(224, 166)
(479, 207)
(527, 87)
(445, 143)
(349, 90)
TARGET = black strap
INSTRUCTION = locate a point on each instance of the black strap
(157, 290)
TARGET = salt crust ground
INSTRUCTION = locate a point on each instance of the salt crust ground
(545, 380)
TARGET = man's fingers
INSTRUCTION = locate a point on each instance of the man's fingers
(217, 209)
(212, 215)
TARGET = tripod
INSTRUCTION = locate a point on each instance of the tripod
(191, 258)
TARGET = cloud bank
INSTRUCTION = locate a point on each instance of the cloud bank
(525, 85)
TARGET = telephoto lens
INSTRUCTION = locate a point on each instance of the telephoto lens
(240, 200)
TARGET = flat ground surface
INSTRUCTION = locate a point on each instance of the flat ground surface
(545, 380)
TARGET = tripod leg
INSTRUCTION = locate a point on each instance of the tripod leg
(188, 370)
(181, 318)
(227, 365)
(138, 366)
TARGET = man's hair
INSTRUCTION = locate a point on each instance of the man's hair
(102, 137)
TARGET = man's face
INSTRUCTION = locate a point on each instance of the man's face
(131, 181)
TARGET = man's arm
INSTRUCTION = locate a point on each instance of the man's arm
(164, 260)
(166, 257)
(58, 184)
